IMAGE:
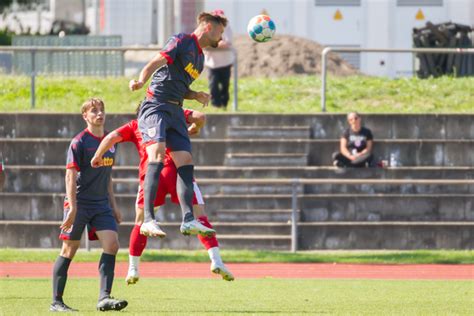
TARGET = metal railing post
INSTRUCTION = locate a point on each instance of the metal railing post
(294, 216)
(33, 77)
(236, 79)
(323, 77)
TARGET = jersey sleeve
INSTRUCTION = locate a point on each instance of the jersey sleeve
(369, 135)
(171, 49)
(187, 114)
(74, 155)
(127, 131)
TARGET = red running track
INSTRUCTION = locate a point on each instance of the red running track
(256, 270)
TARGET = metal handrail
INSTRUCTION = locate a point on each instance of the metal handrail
(328, 49)
(297, 182)
(123, 49)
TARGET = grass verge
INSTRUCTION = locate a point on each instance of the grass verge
(300, 94)
(374, 257)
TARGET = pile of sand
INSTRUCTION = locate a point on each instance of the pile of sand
(285, 55)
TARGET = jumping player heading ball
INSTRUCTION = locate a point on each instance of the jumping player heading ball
(161, 118)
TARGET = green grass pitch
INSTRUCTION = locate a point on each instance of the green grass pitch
(264, 296)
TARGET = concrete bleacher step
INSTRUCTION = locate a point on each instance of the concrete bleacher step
(320, 186)
(33, 178)
(266, 159)
(319, 235)
(323, 125)
(255, 242)
(254, 236)
(255, 215)
(314, 207)
(387, 235)
(212, 152)
(218, 187)
(286, 132)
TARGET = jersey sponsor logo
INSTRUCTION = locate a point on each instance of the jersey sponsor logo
(152, 132)
(192, 71)
(112, 149)
(108, 162)
(357, 139)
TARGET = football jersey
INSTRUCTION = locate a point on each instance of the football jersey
(357, 141)
(185, 63)
(92, 183)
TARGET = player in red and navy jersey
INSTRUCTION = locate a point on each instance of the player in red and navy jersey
(130, 133)
(161, 119)
(89, 201)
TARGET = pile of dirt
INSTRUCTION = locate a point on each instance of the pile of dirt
(285, 55)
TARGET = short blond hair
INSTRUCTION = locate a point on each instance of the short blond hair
(209, 17)
(92, 102)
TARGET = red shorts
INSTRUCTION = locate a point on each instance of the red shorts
(167, 185)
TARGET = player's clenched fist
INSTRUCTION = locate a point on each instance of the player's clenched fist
(135, 84)
(97, 162)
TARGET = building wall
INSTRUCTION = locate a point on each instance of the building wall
(355, 23)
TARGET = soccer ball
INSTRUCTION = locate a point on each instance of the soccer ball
(261, 28)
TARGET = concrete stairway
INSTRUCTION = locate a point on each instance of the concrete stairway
(427, 202)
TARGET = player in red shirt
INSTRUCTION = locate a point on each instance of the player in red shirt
(131, 133)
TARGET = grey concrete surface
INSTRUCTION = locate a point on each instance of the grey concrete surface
(323, 126)
(329, 207)
(412, 152)
(313, 236)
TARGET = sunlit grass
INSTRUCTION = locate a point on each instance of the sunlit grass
(299, 94)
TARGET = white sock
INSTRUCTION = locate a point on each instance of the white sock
(133, 262)
(214, 255)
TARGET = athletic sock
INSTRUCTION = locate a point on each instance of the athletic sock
(152, 180)
(60, 277)
(106, 270)
(214, 255)
(137, 242)
(185, 190)
(133, 262)
(207, 242)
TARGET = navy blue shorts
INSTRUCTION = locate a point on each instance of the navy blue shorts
(164, 122)
(96, 217)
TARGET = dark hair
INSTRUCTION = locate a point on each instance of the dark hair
(214, 18)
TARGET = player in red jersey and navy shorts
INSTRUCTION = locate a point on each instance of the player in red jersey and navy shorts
(130, 133)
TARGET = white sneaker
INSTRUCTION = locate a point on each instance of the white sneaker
(222, 270)
(196, 228)
(132, 276)
(151, 229)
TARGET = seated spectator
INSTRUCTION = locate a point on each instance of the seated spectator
(355, 145)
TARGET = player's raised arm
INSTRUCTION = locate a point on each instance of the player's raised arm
(157, 62)
(201, 97)
(110, 140)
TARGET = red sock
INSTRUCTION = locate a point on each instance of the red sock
(207, 242)
(137, 242)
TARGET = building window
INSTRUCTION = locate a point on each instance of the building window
(419, 3)
(337, 3)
